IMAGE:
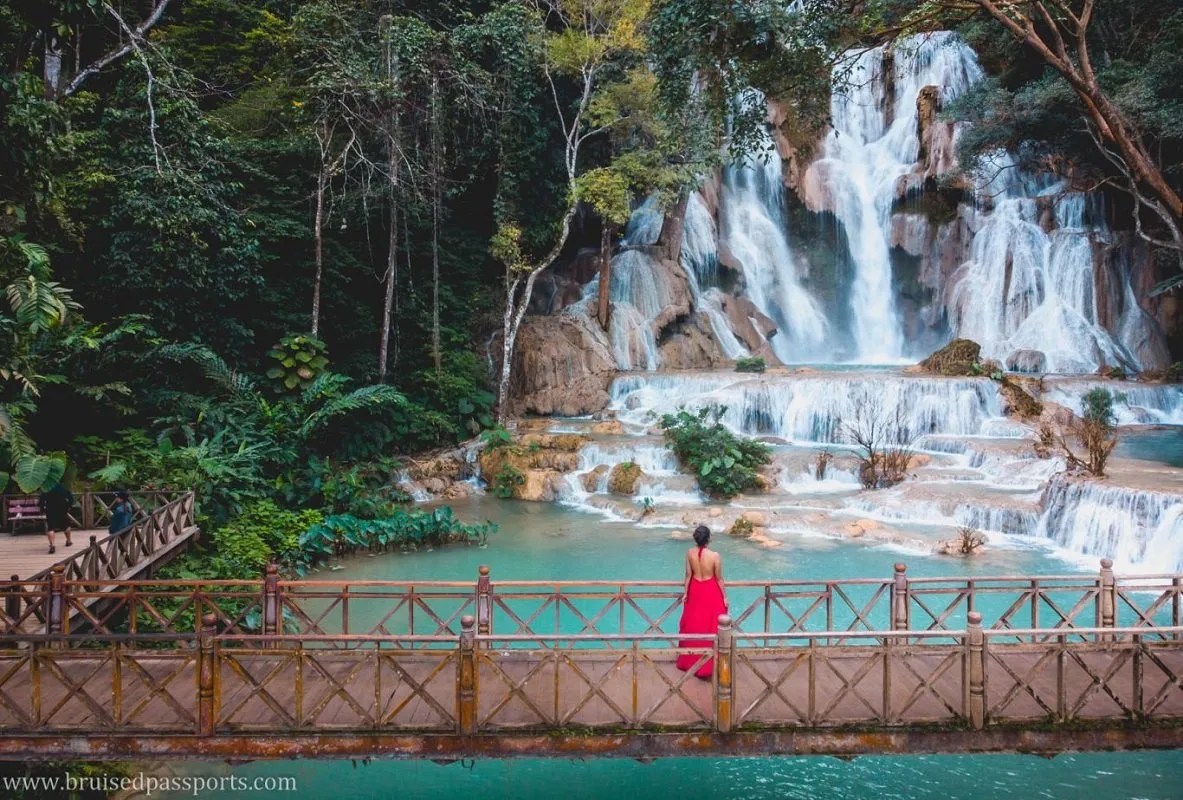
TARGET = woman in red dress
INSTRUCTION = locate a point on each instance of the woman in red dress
(703, 602)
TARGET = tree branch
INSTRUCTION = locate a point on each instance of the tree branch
(114, 55)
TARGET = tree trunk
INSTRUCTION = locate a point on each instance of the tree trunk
(392, 265)
(318, 239)
(670, 239)
(515, 311)
(436, 190)
(605, 285)
(52, 72)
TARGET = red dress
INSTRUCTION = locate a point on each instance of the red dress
(700, 614)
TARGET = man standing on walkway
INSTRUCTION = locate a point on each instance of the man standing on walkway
(56, 504)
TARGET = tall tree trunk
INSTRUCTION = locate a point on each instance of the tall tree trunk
(437, 179)
(52, 72)
(670, 239)
(392, 263)
(318, 239)
(605, 286)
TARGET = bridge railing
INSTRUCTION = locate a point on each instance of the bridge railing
(1033, 609)
(209, 683)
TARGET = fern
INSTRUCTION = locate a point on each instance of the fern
(327, 384)
(213, 366)
(367, 397)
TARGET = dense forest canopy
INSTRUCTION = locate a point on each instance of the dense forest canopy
(266, 247)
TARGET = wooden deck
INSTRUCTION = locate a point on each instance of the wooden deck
(27, 554)
(315, 668)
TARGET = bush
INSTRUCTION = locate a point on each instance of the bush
(1094, 429)
(750, 364)
(823, 464)
(969, 539)
(507, 480)
(724, 464)
(298, 359)
(261, 534)
(884, 442)
(742, 527)
(341, 534)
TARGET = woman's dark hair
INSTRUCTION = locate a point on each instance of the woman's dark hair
(121, 494)
(702, 535)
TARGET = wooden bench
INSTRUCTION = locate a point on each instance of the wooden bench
(27, 512)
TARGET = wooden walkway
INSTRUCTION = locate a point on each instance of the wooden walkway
(27, 554)
(304, 668)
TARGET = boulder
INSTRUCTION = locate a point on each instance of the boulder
(608, 427)
(758, 519)
(749, 324)
(1027, 361)
(540, 486)
(624, 478)
(563, 366)
(591, 479)
(955, 358)
(1018, 402)
(690, 345)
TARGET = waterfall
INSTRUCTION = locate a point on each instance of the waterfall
(873, 145)
(813, 408)
(1134, 403)
(753, 230)
(1040, 285)
(1138, 529)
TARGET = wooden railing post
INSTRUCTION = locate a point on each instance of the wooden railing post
(271, 603)
(207, 671)
(56, 616)
(87, 510)
(975, 654)
(1107, 598)
(484, 602)
(92, 559)
(466, 678)
(899, 599)
(724, 669)
(12, 605)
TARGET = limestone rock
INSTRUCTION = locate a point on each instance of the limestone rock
(1027, 361)
(623, 478)
(955, 358)
(540, 486)
(592, 478)
(690, 345)
(758, 519)
(612, 427)
(563, 366)
(749, 324)
(1018, 402)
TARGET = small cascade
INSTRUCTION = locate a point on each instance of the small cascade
(1140, 530)
(1027, 291)
(700, 259)
(873, 146)
(753, 230)
(813, 407)
(1134, 403)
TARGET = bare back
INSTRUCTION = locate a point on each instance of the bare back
(703, 564)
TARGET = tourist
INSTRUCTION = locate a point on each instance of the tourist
(56, 504)
(122, 510)
(703, 602)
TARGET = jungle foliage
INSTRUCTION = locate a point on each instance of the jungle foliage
(723, 463)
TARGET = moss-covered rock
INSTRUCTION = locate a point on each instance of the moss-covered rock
(1018, 402)
(534, 461)
(958, 357)
(624, 478)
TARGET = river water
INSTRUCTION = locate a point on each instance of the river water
(548, 541)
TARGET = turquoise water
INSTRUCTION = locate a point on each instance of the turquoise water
(541, 541)
(1164, 445)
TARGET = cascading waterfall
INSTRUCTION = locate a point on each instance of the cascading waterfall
(814, 408)
(1134, 403)
(1133, 527)
(873, 145)
(700, 259)
(753, 229)
(1044, 305)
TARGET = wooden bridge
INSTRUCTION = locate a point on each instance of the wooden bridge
(276, 668)
(163, 528)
